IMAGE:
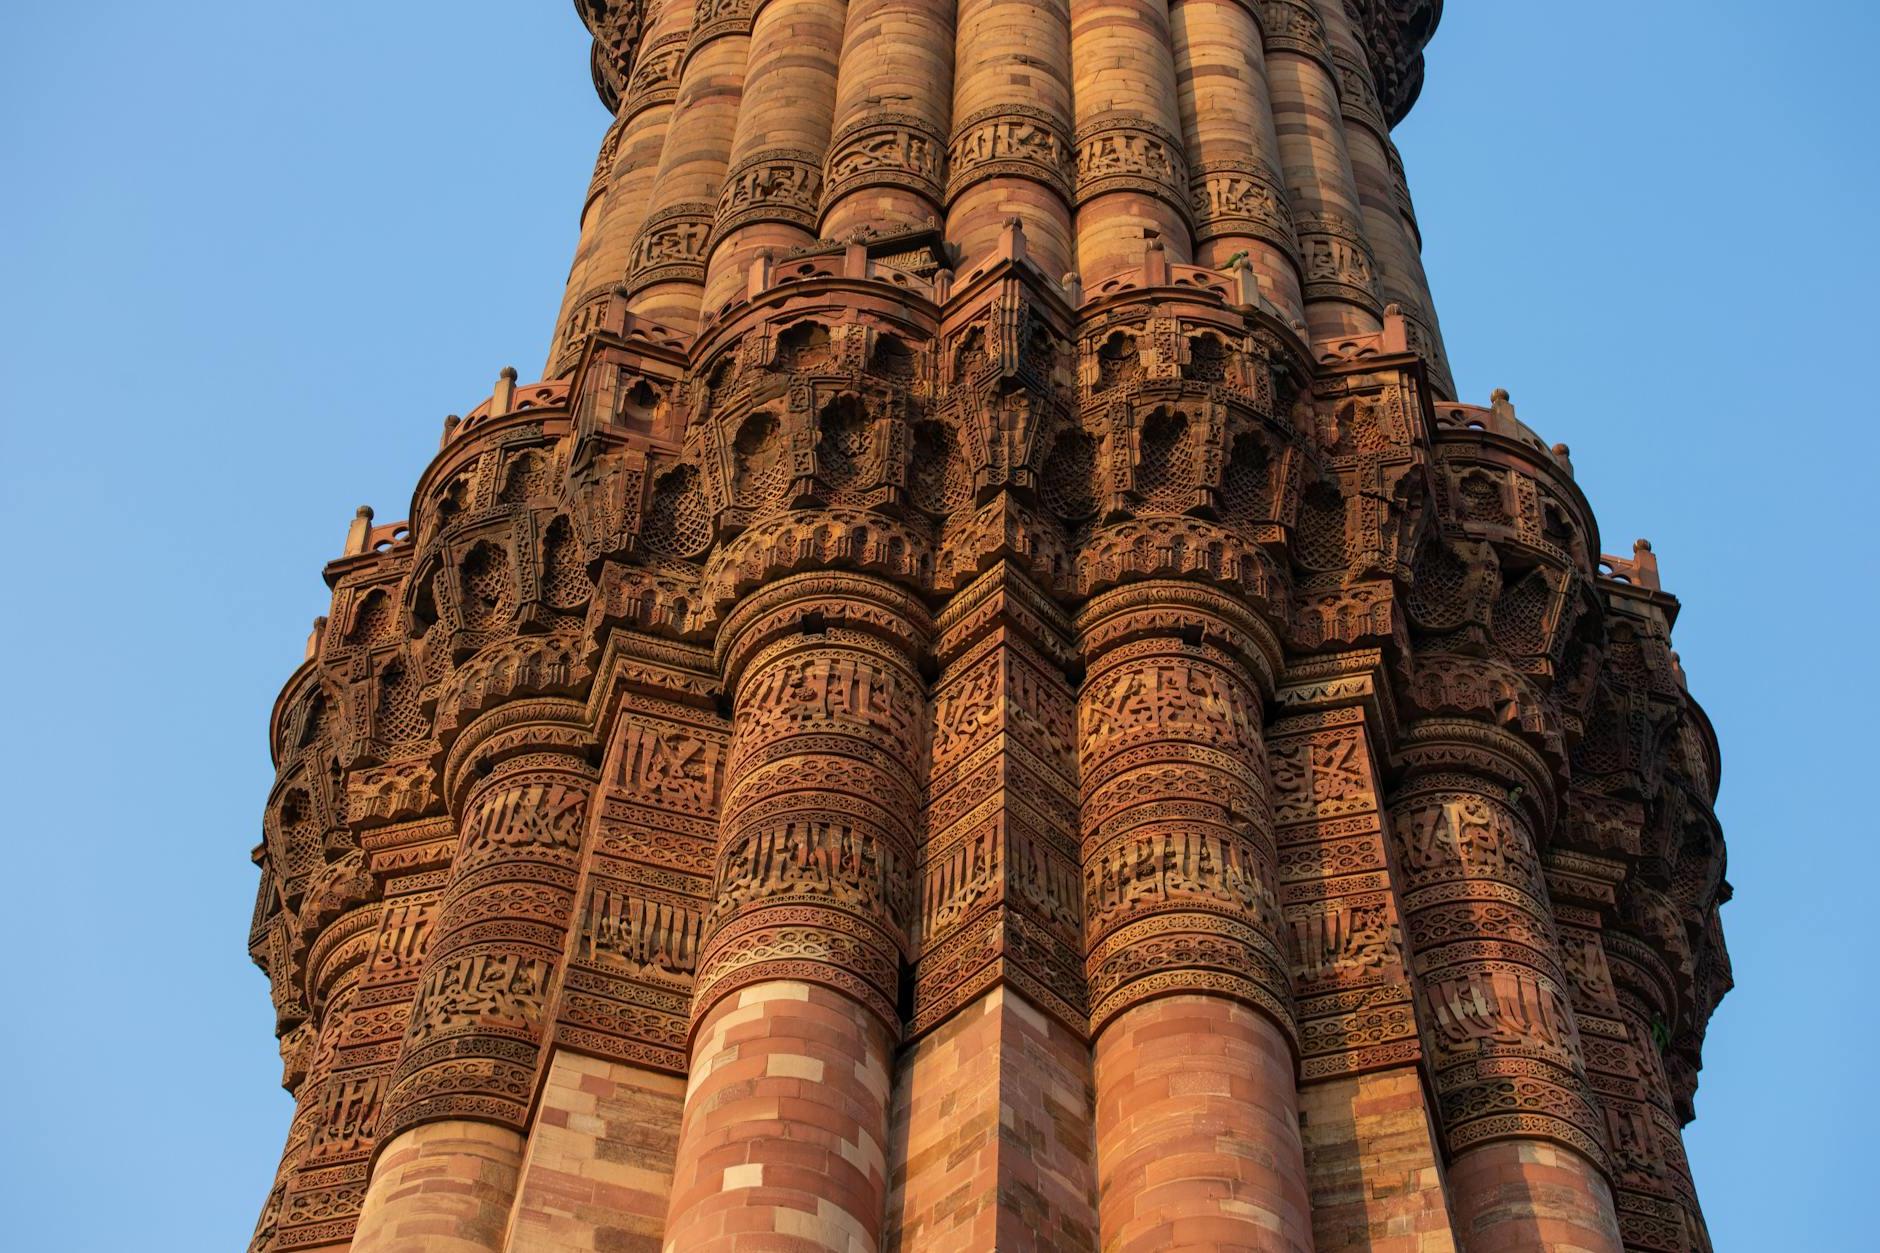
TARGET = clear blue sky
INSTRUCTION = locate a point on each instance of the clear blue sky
(251, 255)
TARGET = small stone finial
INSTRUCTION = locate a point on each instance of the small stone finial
(358, 532)
(1561, 450)
(1499, 396)
(1155, 271)
(1012, 240)
(503, 397)
(757, 279)
(1645, 564)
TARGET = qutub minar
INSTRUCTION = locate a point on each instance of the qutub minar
(992, 697)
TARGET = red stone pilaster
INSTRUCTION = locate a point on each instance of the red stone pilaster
(1372, 1161)
(992, 1103)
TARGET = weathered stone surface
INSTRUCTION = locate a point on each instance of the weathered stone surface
(992, 697)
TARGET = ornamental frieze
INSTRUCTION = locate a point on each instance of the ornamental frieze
(1011, 141)
(1237, 196)
(1338, 262)
(776, 186)
(887, 149)
(928, 681)
(1123, 152)
(671, 246)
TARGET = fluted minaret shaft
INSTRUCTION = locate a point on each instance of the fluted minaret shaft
(666, 273)
(814, 861)
(1341, 292)
(1239, 196)
(1132, 177)
(774, 185)
(886, 169)
(622, 192)
(1383, 202)
(991, 699)
(1010, 155)
(1190, 994)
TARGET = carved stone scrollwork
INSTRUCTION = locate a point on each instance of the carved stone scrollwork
(887, 149)
(1497, 1011)
(1294, 26)
(785, 185)
(1357, 99)
(655, 77)
(615, 25)
(1123, 152)
(1180, 881)
(714, 19)
(1239, 196)
(520, 780)
(817, 836)
(1338, 262)
(1016, 141)
(670, 247)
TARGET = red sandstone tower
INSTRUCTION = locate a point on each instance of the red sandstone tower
(992, 697)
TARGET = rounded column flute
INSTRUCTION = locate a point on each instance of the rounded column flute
(1197, 1123)
(457, 1109)
(785, 1131)
(1526, 1140)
